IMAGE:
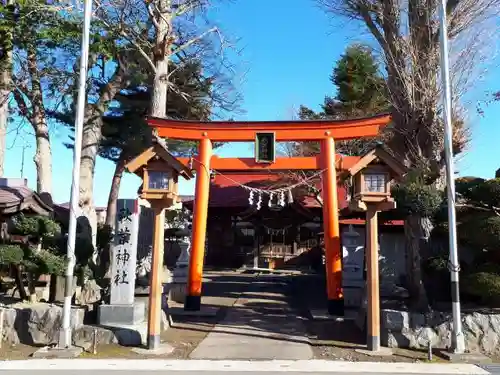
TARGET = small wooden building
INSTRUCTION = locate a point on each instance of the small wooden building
(291, 236)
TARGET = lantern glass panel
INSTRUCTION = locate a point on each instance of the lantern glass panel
(158, 180)
(375, 183)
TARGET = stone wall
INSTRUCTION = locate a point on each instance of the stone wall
(405, 329)
(37, 324)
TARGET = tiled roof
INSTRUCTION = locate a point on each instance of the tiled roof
(14, 199)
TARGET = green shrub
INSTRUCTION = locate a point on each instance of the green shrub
(43, 262)
(465, 185)
(487, 193)
(50, 263)
(38, 227)
(11, 254)
(416, 198)
(481, 232)
(485, 286)
(436, 264)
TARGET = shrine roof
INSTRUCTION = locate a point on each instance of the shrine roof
(16, 197)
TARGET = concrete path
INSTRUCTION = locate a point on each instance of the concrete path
(259, 326)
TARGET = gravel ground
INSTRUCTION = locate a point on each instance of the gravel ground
(222, 290)
(337, 340)
(329, 340)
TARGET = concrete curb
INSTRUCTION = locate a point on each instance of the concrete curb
(316, 366)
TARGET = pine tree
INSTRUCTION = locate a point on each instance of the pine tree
(360, 87)
(361, 91)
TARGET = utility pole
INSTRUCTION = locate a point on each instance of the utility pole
(65, 332)
(457, 337)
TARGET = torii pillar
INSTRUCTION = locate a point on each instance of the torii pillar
(199, 231)
(331, 229)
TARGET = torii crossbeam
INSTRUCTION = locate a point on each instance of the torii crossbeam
(325, 132)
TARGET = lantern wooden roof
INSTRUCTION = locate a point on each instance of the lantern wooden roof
(378, 153)
(158, 150)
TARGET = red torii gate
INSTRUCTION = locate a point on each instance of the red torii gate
(325, 132)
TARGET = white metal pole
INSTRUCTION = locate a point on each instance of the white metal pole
(457, 337)
(65, 332)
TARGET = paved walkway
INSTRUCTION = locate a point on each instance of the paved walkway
(182, 367)
(259, 326)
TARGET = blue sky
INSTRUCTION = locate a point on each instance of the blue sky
(289, 48)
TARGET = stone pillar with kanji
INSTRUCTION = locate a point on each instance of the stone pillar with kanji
(123, 310)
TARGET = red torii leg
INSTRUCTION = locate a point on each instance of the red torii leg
(202, 167)
(331, 229)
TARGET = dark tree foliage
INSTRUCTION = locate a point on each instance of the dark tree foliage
(360, 92)
(478, 229)
(478, 207)
(125, 131)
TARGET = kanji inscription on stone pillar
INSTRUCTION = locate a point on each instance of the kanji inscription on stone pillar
(124, 254)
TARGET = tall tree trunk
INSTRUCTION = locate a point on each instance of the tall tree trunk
(91, 139)
(43, 158)
(160, 90)
(113, 193)
(90, 145)
(106, 256)
(4, 114)
(5, 89)
(417, 234)
(43, 155)
(162, 56)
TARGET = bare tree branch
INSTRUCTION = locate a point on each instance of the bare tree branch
(408, 35)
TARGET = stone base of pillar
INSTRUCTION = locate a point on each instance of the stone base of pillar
(133, 314)
(177, 286)
(126, 321)
(192, 303)
(336, 307)
(177, 291)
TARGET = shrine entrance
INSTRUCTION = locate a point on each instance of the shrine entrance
(265, 134)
